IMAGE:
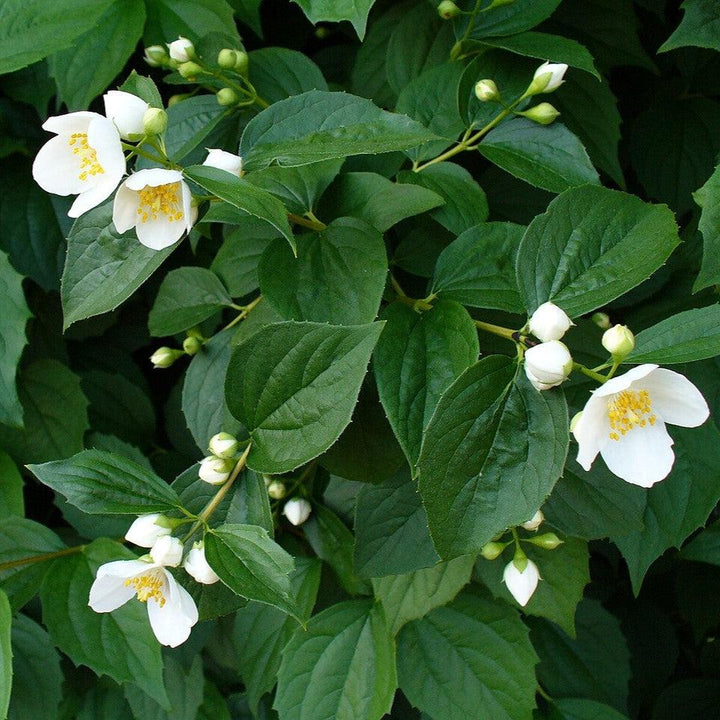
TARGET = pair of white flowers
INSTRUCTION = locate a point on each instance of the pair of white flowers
(86, 159)
(625, 418)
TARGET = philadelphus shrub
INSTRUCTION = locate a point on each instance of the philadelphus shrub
(359, 372)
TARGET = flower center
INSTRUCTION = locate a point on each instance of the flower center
(160, 200)
(148, 587)
(629, 409)
(89, 165)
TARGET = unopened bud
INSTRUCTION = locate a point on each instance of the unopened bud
(146, 530)
(548, 364)
(618, 341)
(601, 319)
(164, 357)
(549, 322)
(548, 77)
(215, 470)
(167, 551)
(155, 121)
(223, 160)
(226, 59)
(267, 479)
(223, 445)
(448, 10)
(226, 97)
(487, 91)
(181, 50)
(543, 114)
(242, 61)
(297, 510)
(492, 550)
(197, 566)
(548, 541)
(189, 70)
(534, 522)
(192, 346)
(521, 582)
(276, 490)
(156, 55)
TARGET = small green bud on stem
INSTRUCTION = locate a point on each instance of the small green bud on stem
(189, 70)
(548, 541)
(448, 10)
(543, 114)
(226, 59)
(191, 346)
(492, 550)
(226, 97)
(155, 121)
(487, 91)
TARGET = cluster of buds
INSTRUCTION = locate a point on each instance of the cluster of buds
(548, 364)
(164, 357)
(215, 469)
(297, 509)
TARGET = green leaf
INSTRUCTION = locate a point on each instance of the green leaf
(321, 125)
(341, 668)
(55, 412)
(6, 654)
(355, 11)
(237, 260)
(389, 519)
(37, 677)
(413, 595)
(97, 252)
(686, 337)
(549, 157)
(510, 19)
(492, 453)
(243, 195)
(278, 73)
(708, 198)
(377, 200)
(11, 488)
(595, 665)
(577, 254)
(104, 699)
(564, 574)
(203, 396)
(700, 27)
(12, 330)
(144, 88)
(118, 644)
(250, 504)
(679, 504)
(260, 632)
(166, 19)
(31, 30)
(186, 297)
(704, 547)
(338, 275)
(417, 358)
(478, 269)
(471, 658)
(20, 538)
(251, 564)
(583, 709)
(296, 404)
(78, 74)
(190, 121)
(333, 543)
(99, 482)
(465, 202)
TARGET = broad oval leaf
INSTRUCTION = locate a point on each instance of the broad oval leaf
(511, 18)
(277, 73)
(356, 12)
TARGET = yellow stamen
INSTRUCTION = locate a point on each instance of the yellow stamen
(148, 587)
(88, 165)
(629, 409)
(161, 200)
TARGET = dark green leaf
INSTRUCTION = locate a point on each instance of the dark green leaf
(11, 488)
(277, 73)
(355, 11)
(511, 18)
(190, 121)
(144, 88)
(700, 27)
(708, 198)
(583, 709)
(190, 18)
(704, 547)
(6, 654)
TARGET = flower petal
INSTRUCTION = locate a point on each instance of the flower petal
(125, 207)
(172, 621)
(152, 177)
(159, 234)
(104, 139)
(642, 457)
(675, 399)
(109, 592)
(190, 212)
(591, 430)
(623, 382)
(92, 197)
(70, 123)
(55, 168)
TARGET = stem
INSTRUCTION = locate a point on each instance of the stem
(210, 508)
(613, 369)
(542, 693)
(139, 151)
(244, 312)
(471, 23)
(507, 333)
(306, 222)
(590, 373)
(41, 558)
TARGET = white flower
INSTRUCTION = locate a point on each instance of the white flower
(167, 551)
(549, 76)
(126, 111)
(618, 341)
(85, 159)
(215, 470)
(223, 445)
(181, 50)
(145, 530)
(624, 420)
(549, 322)
(197, 566)
(171, 609)
(521, 584)
(224, 161)
(158, 204)
(548, 364)
(534, 522)
(297, 510)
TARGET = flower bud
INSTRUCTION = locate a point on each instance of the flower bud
(447, 10)
(601, 319)
(227, 58)
(224, 160)
(492, 550)
(242, 62)
(192, 346)
(155, 121)
(156, 55)
(189, 70)
(164, 357)
(167, 550)
(215, 470)
(487, 91)
(181, 50)
(297, 510)
(267, 479)
(223, 445)
(521, 583)
(548, 364)
(276, 490)
(534, 522)
(548, 77)
(575, 420)
(549, 322)
(197, 566)
(549, 541)
(618, 341)
(226, 97)
(126, 111)
(543, 113)
(145, 530)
